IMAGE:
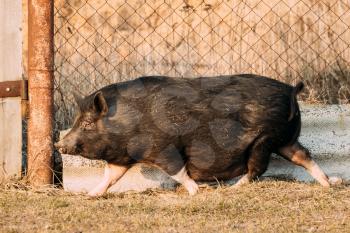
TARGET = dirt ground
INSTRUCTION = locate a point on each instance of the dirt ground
(265, 206)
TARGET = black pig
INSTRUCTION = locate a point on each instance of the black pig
(199, 129)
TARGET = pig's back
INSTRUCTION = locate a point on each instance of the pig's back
(212, 120)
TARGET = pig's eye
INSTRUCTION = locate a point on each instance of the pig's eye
(86, 125)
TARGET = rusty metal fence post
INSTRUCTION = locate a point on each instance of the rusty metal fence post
(40, 81)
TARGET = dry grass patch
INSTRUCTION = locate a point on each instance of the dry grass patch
(267, 206)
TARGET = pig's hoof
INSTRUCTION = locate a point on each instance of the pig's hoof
(191, 187)
(95, 193)
(334, 180)
(242, 181)
(325, 183)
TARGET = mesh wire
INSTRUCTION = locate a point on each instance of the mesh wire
(101, 42)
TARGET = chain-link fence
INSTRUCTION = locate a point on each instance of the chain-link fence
(98, 42)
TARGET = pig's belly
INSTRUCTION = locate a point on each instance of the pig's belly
(216, 174)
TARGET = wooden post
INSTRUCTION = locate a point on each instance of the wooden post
(40, 81)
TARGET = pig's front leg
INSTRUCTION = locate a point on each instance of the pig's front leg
(183, 178)
(111, 175)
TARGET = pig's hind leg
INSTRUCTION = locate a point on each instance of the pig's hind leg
(300, 156)
(257, 162)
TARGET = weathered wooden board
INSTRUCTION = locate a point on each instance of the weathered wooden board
(10, 70)
(10, 137)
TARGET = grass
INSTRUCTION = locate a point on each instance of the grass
(266, 206)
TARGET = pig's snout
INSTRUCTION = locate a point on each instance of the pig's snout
(60, 147)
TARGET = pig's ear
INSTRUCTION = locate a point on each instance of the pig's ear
(78, 99)
(100, 104)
